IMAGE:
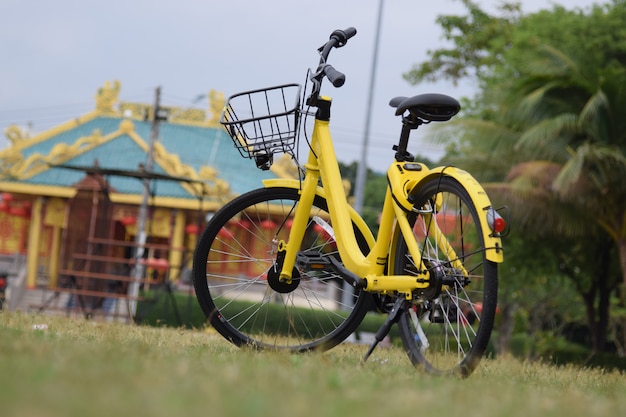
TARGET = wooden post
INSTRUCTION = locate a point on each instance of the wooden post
(178, 236)
(33, 244)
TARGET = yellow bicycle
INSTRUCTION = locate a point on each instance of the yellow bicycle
(293, 266)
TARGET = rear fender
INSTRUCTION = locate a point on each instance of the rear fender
(493, 242)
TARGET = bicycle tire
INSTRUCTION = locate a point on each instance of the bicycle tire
(230, 275)
(446, 329)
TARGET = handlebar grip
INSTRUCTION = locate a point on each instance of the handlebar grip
(350, 32)
(342, 36)
(335, 77)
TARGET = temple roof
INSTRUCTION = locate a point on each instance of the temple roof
(196, 148)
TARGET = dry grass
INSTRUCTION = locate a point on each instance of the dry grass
(81, 368)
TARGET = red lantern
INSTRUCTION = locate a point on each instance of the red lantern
(19, 211)
(158, 264)
(268, 224)
(191, 229)
(244, 224)
(128, 220)
(8, 197)
(225, 233)
(318, 228)
(479, 308)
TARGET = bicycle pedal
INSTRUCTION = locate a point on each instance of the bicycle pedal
(312, 261)
(316, 261)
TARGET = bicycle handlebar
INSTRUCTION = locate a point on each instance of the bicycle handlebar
(342, 36)
(337, 39)
(335, 77)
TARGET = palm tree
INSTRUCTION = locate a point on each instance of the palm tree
(561, 127)
(583, 110)
(556, 133)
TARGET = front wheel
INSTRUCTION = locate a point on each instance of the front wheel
(235, 275)
(446, 328)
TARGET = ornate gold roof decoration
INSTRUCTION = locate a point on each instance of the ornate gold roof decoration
(285, 167)
(126, 126)
(16, 134)
(107, 97)
(13, 165)
(137, 111)
(186, 115)
(9, 158)
(211, 185)
(216, 105)
(182, 115)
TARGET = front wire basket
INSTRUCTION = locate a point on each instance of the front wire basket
(263, 122)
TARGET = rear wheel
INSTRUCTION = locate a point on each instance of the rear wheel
(236, 280)
(446, 329)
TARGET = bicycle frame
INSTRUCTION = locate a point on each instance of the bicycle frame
(403, 179)
(295, 247)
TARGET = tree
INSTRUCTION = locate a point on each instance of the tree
(563, 100)
(550, 115)
(478, 40)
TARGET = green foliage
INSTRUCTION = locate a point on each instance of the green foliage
(544, 296)
(182, 310)
(521, 345)
(478, 41)
(547, 132)
(174, 309)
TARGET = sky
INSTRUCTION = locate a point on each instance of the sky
(56, 54)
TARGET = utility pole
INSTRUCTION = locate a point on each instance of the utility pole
(140, 237)
(361, 173)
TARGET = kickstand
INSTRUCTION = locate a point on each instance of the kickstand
(392, 318)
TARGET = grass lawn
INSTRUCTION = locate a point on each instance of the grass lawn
(54, 366)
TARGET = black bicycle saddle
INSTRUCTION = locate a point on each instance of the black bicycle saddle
(430, 107)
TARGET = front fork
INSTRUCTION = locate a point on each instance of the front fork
(288, 251)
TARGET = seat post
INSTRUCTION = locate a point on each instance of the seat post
(408, 123)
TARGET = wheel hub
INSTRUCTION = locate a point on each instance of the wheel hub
(281, 286)
(436, 280)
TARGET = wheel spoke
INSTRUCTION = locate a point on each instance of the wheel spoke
(455, 314)
(238, 289)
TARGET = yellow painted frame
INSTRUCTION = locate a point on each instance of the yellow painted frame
(322, 164)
